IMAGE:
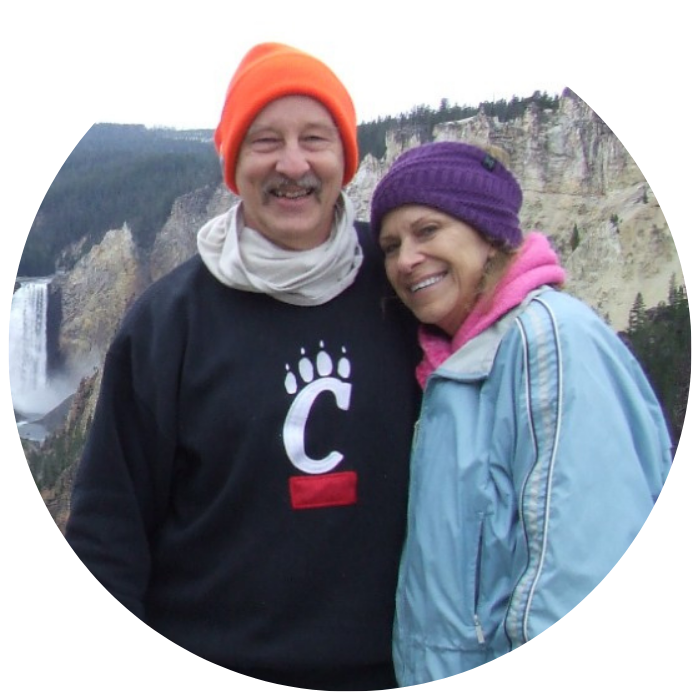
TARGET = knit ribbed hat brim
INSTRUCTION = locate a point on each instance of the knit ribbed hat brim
(459, 179)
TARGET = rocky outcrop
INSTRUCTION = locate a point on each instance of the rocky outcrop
(580, 187)
(54, 463)
(89, 302)
(177, 241)
(95, 295)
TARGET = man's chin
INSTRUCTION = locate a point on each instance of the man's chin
(297, 234)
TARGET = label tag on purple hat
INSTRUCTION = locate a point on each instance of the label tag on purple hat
(489, 162)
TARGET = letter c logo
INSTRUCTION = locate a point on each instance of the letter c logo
(298, 415)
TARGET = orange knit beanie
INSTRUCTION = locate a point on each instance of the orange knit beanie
(270, 71)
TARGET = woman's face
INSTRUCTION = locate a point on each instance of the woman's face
(435, 263)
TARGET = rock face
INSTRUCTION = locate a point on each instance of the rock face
(177, 241)
(60, 454)
(581, 188)
(95, 295)
(100, 288)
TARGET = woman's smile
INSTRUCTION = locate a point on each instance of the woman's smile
(426, 283)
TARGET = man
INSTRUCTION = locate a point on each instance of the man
(243, 488)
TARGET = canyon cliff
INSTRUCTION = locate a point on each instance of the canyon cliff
(581, 188)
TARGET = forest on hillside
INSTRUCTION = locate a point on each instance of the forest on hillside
(116, 174)
(660, 339)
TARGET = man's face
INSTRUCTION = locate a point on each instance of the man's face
(290, 172)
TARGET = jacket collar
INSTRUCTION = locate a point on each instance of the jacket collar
(474, 360)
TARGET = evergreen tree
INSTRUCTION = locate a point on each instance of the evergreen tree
(637, 316)
(660, 339)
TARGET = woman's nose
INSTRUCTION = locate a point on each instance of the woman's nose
(409, 256)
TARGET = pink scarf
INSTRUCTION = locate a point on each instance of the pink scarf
(535, 264)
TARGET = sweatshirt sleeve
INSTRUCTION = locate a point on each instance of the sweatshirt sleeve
(122, 482)
(591, 457)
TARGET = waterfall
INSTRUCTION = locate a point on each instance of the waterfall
(28, 361)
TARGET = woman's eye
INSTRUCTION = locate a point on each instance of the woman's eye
(427, 230)
(389, 248)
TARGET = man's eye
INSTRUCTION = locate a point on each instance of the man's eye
(314, 140)
(264, 143)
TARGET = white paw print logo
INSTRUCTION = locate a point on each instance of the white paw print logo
(311, 379)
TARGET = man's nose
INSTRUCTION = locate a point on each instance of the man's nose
(292, 162)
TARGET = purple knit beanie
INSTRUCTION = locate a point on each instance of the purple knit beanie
(458, 179)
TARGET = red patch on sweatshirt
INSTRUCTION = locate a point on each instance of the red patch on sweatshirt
(324, 490)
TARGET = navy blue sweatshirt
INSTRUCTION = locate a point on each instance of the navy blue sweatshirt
(243, 487)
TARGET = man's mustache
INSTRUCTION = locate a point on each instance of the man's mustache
(282, 182)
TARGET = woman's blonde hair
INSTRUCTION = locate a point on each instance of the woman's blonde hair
(500, 261)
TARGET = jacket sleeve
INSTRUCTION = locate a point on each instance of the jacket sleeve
(591, 455)
(122, 482)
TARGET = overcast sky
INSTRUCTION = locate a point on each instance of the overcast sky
(389, 61)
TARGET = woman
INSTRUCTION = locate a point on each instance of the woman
(541, 447)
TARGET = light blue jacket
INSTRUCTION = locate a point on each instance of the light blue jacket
(540, 452)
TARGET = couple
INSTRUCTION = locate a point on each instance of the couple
(245, 487)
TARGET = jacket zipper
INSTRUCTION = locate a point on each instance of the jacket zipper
(479, 630)
(414, 439)
(477, 574)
